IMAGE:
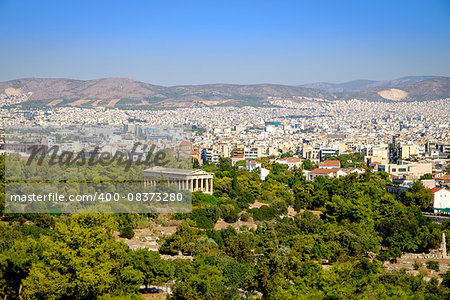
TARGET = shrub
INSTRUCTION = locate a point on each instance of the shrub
(45, 221)
(264, 213)
(281, 206)
(245, 216)
(228, 213)
(204, 222)
(206, 217)
(212, 212)
(446, 279)
(245, 199)
(433, 265)
(202, 199)
(417, 265)
(127, 232)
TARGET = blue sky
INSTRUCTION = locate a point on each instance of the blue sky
(194, 42)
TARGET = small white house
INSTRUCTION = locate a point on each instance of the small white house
(253, 164)
(441, 198)
(264, 173)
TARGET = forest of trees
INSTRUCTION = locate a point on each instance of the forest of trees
(335, 253)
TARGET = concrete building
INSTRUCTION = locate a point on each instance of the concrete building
(210, 155)
(252, 153)
(428, 183)
(291, 162)
(441, 199)
(406, 170)
(334, 173)
(252, 165)
(264, 173)
(406, 151)
(236, 158)
(444, 180)
(311, 153)
(327, 152)
(378, 153)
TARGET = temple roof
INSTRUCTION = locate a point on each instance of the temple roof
(175, 171)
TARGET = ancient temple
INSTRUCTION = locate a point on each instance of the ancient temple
(192, 180)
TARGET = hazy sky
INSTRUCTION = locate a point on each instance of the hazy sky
(193, 42)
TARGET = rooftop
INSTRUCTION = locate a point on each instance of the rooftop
(330, 163)
(324, 171)
(174, 171)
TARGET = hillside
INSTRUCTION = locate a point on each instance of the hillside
(108, 88)
(361, 85)
(354, 85)
(129, 92)
(430, 89)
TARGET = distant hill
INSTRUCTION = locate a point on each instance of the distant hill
(108, 88)
(132, 92)
(129, 93)
(429, 89)
(353, 86)
(361, 85)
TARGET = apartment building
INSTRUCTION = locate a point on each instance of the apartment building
(406, 170)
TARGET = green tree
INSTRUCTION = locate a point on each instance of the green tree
(432, 265)
(181, 240)
(308, 165)
(240, 247)
(2, 184)
(418, 195)
(155, 270)
(83, 260)
(446, 279)
(204, 282)
(17, 255)
(239, 275)
(447, 169)
(195, 164)
(205, 246)
(426, 176)
(228, 213)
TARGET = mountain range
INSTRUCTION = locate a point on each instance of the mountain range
(116, 92)
(361, 85)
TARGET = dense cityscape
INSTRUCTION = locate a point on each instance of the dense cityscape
(266, 166)
(224, 150)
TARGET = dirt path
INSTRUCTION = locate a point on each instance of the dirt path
(112, 102)
(54, 102)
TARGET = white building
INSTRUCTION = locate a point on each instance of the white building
(252, 164)
(291, 162)
(441, 198)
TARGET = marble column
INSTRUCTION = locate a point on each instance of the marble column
(211, 186)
